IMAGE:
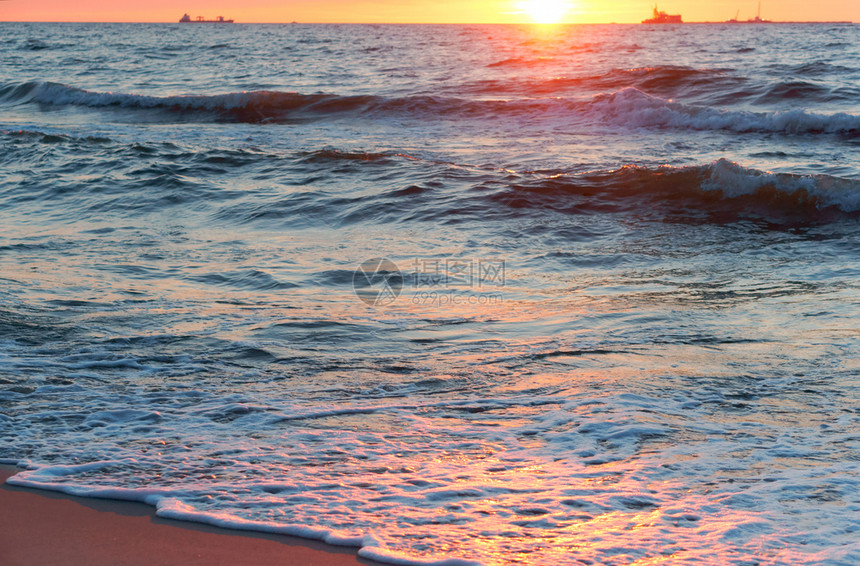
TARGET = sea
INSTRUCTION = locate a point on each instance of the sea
(452, 295)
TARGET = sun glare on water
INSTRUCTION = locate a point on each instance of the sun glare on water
(545, 11)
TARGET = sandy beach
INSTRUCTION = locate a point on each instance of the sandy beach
(47, 528)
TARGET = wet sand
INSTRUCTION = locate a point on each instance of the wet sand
(51, 529)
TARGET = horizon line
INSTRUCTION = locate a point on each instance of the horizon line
(439, 23)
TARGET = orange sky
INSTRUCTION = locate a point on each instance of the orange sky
(405, 11)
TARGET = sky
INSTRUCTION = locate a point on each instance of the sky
(419, 11)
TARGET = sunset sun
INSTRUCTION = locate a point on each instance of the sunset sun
(545, 11)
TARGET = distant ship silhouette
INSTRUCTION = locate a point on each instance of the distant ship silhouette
(663, 18)
(756, 20)
(186, 19)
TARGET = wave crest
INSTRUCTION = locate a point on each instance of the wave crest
(628, 107)
(722, 190)
(632, 107)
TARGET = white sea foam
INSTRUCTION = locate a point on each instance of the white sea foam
(377, 470)
(734, 180)
(59, 94)
(634, 108)
(169, 505)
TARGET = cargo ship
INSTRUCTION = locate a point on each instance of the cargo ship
(186, 19)
(663, 18)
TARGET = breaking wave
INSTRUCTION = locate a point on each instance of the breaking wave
(628, 107)
(632, 107)
(430, 189)
(725, 189)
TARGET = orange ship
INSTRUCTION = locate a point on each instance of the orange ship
(663, 18)
(186, 19)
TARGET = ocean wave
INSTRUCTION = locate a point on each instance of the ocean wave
(705, 85)
(820, 68)
(790, 90)
(244, 106)
(632, 107)
(268, 106)
(425, 187)
(723, 189)
(33, 44)
(628, 107)
(52, 137)
(666, 80)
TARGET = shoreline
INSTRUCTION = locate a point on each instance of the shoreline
(53, 529)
